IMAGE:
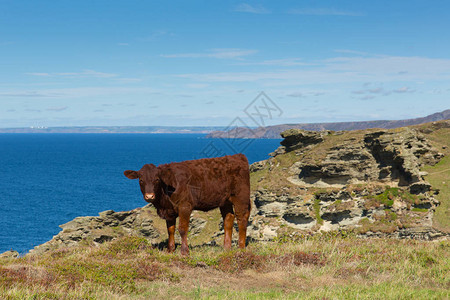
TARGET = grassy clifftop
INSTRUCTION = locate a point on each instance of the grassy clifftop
(439, 174)
(319, 267)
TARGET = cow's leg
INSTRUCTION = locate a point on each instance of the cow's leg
(171, 231)
(228, 221)
(242, 210)
(184, 213)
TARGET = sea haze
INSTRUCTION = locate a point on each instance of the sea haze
(49, 179)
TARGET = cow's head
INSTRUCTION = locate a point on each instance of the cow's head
(149, 181)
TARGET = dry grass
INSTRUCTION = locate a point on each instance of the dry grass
(313, 267)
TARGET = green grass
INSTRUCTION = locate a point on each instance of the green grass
(316, 207)
(390, 194)
(324, 266)
(439, 177)
(379, 291)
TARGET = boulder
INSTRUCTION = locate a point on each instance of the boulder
(107, 226)
(298, 138)
(9, 254)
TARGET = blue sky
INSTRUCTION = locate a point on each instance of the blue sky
(75, 63)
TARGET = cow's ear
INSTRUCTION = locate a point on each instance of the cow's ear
(131, 174)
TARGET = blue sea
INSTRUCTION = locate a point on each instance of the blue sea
(49, 179)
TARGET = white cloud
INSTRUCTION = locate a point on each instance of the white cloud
(38, 74)
(126, 80)
(367, 97)
(403, 90)
(57, 109)
(156, 34)
(359, 92)
(287, 62)
(304, 94)
(81, 92)
(227, 53)
(325, 12)
(377, 90)
(296, 95)
(380, 91)
(83, 74)
(340, 70)
(197, 85)
(87, 73)
(347, 51)
(28, 94)
(247, 8)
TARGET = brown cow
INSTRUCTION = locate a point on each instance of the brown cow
(176, 189)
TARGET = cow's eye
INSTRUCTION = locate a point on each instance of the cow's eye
(141, 181)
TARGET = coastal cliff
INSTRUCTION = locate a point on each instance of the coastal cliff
(368, 182)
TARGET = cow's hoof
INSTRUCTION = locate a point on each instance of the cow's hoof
(184, 252)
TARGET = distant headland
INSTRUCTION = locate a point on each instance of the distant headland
(115, 129)
(273, 132)
(268, 132)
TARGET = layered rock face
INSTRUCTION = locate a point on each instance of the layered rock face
(393, 158)
(109, 225)
(365, 181)
(400, 216)
(105, 227)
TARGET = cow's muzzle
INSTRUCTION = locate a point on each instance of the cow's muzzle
(149, 196)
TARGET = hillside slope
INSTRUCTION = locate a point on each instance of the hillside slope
(273, 132)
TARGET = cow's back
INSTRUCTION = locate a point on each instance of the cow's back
(212, 181)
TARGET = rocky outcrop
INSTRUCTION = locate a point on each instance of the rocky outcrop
(110, 225)
(426, 233)
(369, 212)
(297, 138)
(105, 227)
(9, 254)
(369, 182)
(393, 158)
